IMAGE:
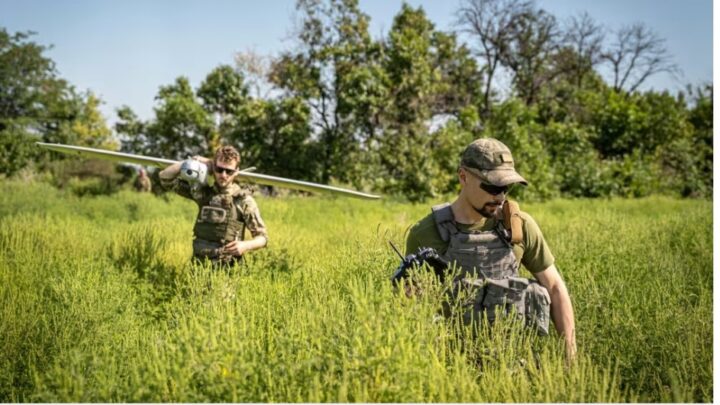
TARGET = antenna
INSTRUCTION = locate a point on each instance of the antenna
(396, 250)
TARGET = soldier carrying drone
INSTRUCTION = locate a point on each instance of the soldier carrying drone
(225, 209)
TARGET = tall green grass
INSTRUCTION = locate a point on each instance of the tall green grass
(99, 303)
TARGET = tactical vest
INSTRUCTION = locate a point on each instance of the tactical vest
(218, 222)
(484, 254)
(488, 280)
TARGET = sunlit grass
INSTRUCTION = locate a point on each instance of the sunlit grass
(100, 303)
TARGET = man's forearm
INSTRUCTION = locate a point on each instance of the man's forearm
(171, 171)
(561, 311)
(255, 243)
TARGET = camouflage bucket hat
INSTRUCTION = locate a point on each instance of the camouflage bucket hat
(492, 161)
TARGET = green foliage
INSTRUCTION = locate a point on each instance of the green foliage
(275, 136)
(391, 114)
(514, 124)
(17, 148)
(182, 126)
(100, 304)
(430, 80)
(223, 92)
(700, 170)
(646, 121)
(580, 171)
(36, 105)
(334, 70)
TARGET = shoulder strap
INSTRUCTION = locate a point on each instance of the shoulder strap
(444, 221)
(512, 221)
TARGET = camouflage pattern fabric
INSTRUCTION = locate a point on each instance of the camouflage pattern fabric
(223, 216)
(492, 161)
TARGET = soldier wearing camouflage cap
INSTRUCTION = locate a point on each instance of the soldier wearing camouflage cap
(225, 210)
(488, 238)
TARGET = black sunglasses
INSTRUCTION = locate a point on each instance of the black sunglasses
(495, 190)
(223, 170)
(491, 189)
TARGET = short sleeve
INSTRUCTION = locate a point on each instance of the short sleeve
(424, 234)
(537, 255)
(250, 213)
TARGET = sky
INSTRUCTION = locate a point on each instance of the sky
(123, 51)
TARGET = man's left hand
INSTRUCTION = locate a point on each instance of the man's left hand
(235, 248)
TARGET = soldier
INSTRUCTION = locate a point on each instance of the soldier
(473, 233)
(142, 182)
(225, 210)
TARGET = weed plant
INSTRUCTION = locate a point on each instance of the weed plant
(100, 303)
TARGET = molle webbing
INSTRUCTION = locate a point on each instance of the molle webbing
(218, 219)
(444, 220)
(484, 254)
(511, 220)
(489, 284)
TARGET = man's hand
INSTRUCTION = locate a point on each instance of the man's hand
(203, 159)
(240, 247)
(236, 248)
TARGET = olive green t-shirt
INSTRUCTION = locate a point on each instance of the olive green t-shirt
(533, 251)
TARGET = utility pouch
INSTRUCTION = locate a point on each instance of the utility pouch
(203, 248)
(213, 215)
(491, 298)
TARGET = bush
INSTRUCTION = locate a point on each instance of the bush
(88, 177)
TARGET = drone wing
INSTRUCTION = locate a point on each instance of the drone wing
(245, 175)
(301, 185)
(107, 155)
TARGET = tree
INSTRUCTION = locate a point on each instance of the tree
(687, 162)
(637, 53)
(334, 69)
(223, 92)
(490, 22)
(25, 77)
(37, 105)
(181, 128)
(531, 43)
(429, 76)
(585, 38)
(274, 135)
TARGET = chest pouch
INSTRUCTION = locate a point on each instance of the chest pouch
(488, 298)
(213, 215)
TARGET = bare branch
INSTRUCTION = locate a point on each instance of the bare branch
(489, 22)
(255, 69)
(638, 53)
(585, 37)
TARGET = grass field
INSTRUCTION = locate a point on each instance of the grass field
(100, 304)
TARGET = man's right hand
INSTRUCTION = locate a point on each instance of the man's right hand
(203, 159)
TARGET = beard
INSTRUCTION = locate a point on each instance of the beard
(489, 210)
(222, 185)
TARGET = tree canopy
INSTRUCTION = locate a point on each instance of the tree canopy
(393, 114)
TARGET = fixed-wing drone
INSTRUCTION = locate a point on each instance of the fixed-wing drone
(195, 172)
